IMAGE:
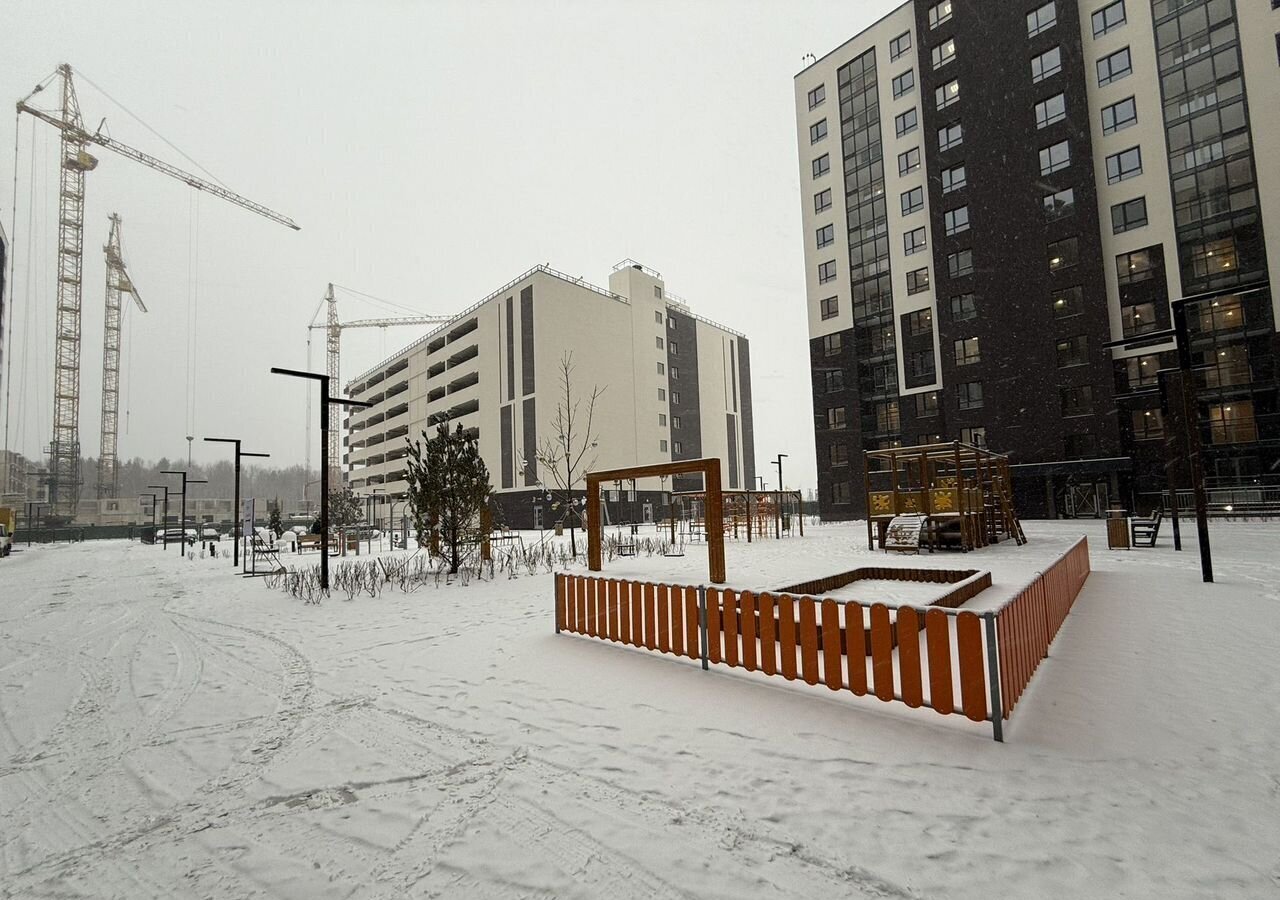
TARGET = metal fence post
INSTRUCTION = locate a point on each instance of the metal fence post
(702, 623)
(993, 676)
(559, 595)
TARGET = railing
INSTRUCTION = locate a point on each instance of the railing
(948, 660)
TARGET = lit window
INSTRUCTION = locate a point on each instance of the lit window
(944, 53)
(1055, 158)
(1114, 67)
(1042, 19)
(1138, 319)
(1063, 254)
(1051, 110)
(947, 94)
(1233, 423)
(1148, 424)
(1213, 257)
(1067, 302)
(888, 420)
(675, 423)
(920, 322)
(677, 448)
(939, 13)
(1046, 64)
(675, 398)
(956, 220)
(926, 404)
(675, 373)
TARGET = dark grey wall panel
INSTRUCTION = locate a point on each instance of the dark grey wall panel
(731, 425)
(682, 395)
(526, 337)
(511, 348)
(508, 457)
(530, 417)
(748, 426)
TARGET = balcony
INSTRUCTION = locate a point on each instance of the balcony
(463, 355)
(436, 369)
(463, 382)
(462, 330)
(436, 344)
(436, 394)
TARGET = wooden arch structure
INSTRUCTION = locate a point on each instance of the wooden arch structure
(710, 470)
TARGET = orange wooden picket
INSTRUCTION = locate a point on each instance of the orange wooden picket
(808, 641)
(787, 636)
(729, 621)
(748, 604)
(768, 634)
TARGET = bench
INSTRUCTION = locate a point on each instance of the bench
(1145, 531)
(308, 540)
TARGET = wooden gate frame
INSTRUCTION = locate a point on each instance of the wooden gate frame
(710, 469)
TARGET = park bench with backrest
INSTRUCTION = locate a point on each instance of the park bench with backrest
(308, 540)
(1145, 531)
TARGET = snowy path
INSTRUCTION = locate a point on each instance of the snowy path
(170, 730)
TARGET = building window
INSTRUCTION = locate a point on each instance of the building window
(672, 323)
(1114, 67)
(918, 281)
(899, 45)
(1222, 314)
(1055, 158)
(841, 492)
(817, 131)
(677, 447)
(838, 454)
(966, 351)
(947, 94)
(827, 271)
(830, 345)
(658, 343)
(662, 446)
(920, 322)
(673, 348)
(657, 317)
(657, 291)
(963, 307)
(675, 423)
(1138, 319)
(944, 53)
(1109, 18)
(817, 95)
(830, 307)
(1232, 423)
(826, 235)
(950, 136)
(904, 84)
(1211, 258)
(970, 394)
(833, 380)
(888, 420)
(1123, 165)
(956, 220)
(675, 373)
(939, 13)
(1148, 425)
(1142, 371)
(975, 436)
(926, 404)
(1137, 266)
(822, 201)
(922, 365)
(1052, 110)
(662, 370)
(1063, 254)
(1046, 64)
(953, 179)
(822, 165)
(835, 417)
(662, 395)
(1067, 302)
(675, 398)
(913, 241)
(1059, 205)
(1042, 19)
(662, 420)
(1129, 215)
(905, 123)
(1073, 351)
(1119, 115)
(912, 201)
(1080, 446)
(1077, 401)
(960, 263)
(909, 161)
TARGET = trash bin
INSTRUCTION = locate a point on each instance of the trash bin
(1117, 529)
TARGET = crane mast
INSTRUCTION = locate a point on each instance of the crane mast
(118, 284)
(64, 450)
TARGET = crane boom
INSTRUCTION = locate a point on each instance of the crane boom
(118, 284)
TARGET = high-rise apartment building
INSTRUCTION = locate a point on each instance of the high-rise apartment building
(674, 386)
(1001, 198)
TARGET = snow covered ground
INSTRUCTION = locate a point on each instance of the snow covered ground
(168, 729)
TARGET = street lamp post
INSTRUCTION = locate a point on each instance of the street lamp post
(153, 513)
(325, 400)
(165, 521)
(235, 512)
(183, 517)
(778, 505)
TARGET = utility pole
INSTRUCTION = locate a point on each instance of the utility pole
(185, 481)
(1191, 423)
(235, 552)
(165, 522)
(325, 400)
(778, 502)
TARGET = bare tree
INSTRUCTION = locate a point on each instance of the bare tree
(569, 454)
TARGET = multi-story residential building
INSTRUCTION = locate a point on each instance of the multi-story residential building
(674, 386)
(1001, 198)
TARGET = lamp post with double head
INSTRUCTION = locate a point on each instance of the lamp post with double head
(325, 400)
(235, 512)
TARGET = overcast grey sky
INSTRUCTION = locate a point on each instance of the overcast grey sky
(431, 152)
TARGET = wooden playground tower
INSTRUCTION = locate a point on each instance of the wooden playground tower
(745, 513)
(961, 493)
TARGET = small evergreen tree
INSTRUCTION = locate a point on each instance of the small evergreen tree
(345, 508)
(448, 489)
(273, 520)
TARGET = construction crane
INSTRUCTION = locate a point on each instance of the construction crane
(118, 284)
(333, 352)
(64, 449)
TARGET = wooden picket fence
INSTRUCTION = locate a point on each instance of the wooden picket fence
(934, 657)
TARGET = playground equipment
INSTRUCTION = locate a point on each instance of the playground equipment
(954, 496)
(745, 514)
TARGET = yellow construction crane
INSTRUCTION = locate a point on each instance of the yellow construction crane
(118, 284)
(75, 161)
(333, 352)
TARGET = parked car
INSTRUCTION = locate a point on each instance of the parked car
(6, 540)
(173, 534)
(210, 533)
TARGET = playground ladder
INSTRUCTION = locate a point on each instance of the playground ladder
(1011, 523)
